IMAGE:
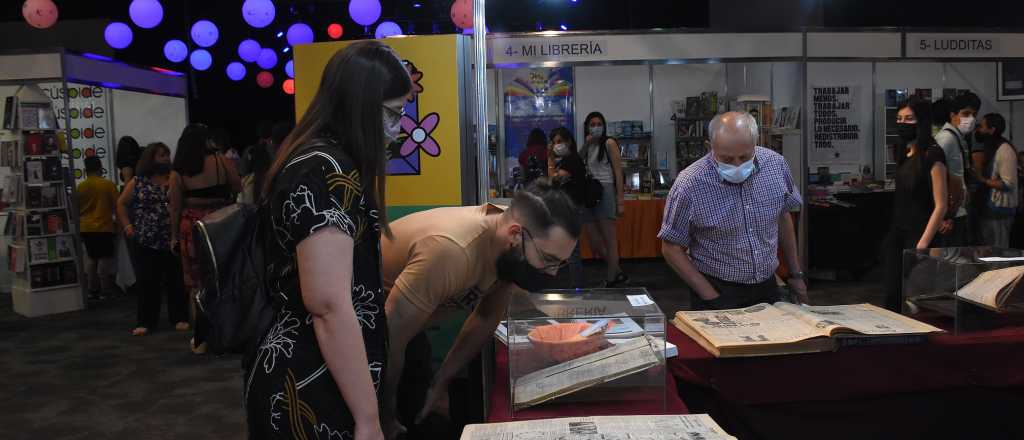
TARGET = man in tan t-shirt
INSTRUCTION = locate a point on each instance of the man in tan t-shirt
(471, 258)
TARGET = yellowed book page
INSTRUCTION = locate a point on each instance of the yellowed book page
(866, 319)
(761, 324)
(823, 325)
(568, 377)
(986, 287)
(668, 427)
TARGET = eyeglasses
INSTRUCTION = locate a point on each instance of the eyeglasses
(555, 262)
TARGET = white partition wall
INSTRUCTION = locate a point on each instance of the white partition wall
(148, 117)
(619, 92)
(677, 81)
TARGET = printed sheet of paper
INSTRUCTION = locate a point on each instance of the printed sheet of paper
(863, 318)
(755, 325)
(604, 366)
(674, 427)
(986, 288)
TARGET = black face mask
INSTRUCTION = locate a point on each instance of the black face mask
(513, 268)
(907, 132)
(161, 168)
(981, 138)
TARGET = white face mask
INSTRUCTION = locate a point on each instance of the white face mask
(561, 150)
(736, 174)
(966, 125)
(597, 131)
(392, 127)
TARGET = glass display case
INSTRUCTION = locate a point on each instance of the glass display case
(977, 286)
(585, 346)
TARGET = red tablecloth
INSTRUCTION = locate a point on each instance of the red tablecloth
(499, 400)
(982, 359)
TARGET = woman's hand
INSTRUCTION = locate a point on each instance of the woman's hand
(129, 231)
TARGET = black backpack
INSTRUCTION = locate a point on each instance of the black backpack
(235, 296)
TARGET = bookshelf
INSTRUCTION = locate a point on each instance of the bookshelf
(37, 188)
(692, 116)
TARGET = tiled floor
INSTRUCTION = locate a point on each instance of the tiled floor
(82, 376)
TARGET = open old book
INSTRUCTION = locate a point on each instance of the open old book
(785, 328)
(673, 427)
(994, 289)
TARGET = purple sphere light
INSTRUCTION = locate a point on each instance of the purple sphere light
(387, 29)
(267, 59)
(364, 12)
(300, 33)
(236, 71)
(249, 50)
(118, 35)
(289, 68)
(175, 51)
(205, 33)
(200, 59)
(146, 14)
(258, 13)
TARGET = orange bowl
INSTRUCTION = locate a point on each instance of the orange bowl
(562, 342)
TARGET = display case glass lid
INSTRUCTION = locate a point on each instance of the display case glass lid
(583, 303)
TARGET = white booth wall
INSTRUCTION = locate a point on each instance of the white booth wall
(674, 82)
(149, 118)
(620, 93)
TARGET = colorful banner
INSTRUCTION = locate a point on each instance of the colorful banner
(534, 98)
(425, 166)
(90, 135)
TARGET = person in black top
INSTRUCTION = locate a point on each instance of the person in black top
(318, 370)
(921, 197)
(128, 154)
(566, 168)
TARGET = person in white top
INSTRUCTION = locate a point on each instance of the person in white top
(997, 164)
(604, 163)
(959, 113)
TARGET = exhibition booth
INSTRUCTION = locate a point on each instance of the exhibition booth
(84, 103)
(824, 100)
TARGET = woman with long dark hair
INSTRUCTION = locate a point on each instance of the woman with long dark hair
(318, 370)
(995, 164)
(205, 182)
(921, 197)
(128, 153)
(602, 156)
(567, 171)
(143, 209)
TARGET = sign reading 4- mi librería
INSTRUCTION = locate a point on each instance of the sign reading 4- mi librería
(949, 45)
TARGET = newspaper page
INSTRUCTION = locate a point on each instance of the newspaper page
(987, 288)
(674, 427)
(604, 366)
(867, 319)
(760, 324)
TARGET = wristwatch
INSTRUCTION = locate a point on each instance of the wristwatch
(797, 276)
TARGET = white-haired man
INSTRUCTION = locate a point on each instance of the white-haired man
(725, 217)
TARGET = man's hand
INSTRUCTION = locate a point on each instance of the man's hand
(946, 227)
(392, 428)
(799, 289)
(435, 403)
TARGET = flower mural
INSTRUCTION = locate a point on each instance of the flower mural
(419, 135)
(404, 153)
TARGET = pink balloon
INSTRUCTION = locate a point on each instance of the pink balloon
(40, 14)
(462, 13)
(265, 79)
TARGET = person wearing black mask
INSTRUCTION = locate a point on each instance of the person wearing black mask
(470, 258)
(995, 164)
(921, 197)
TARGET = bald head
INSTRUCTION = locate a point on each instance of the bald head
(733, 137)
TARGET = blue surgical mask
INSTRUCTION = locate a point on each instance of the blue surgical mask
(736, 174)
(597, 131)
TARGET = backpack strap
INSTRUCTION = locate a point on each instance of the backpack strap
(963, 154)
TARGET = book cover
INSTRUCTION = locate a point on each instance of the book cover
(50, 196)
(51, 248)
(925, 94)
(693, 107)
(52, 275)
(34, 171)
(65, 246)
(56, 223)
(37, 250)
(9, 113)
(68, 273)
(50, 144)
(34, 224)
(34, 144)
(34, 197)
(38, 277)
(29, 116)
(6, 158)
(52, 170)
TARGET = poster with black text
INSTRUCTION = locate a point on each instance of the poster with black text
(837, 136)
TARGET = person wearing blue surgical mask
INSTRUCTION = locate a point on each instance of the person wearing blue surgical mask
(726, 217)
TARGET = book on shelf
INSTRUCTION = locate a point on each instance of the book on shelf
(784, 328)
(52, 170)
(38, 250)
(34, 171)
(16, 258)
(50, 195)
(65, 245)
(68, 272)
(34, 197)
(10, 113)
(994, 289)
(694, 107)
(34, 224)
(9, 154)
(55, 222)
(925, 94)
(37, 116)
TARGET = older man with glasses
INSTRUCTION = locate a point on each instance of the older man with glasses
(470, 258)
(725, 217)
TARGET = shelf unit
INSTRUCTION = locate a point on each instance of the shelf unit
(44, 252)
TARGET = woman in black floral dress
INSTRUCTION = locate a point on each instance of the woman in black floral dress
(311, 377)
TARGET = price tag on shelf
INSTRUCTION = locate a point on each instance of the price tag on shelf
(639, 300)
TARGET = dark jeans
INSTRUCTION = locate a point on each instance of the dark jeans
(960, 236)
(895, 243)
(412, 391)
(736, 295)
(158, 273)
